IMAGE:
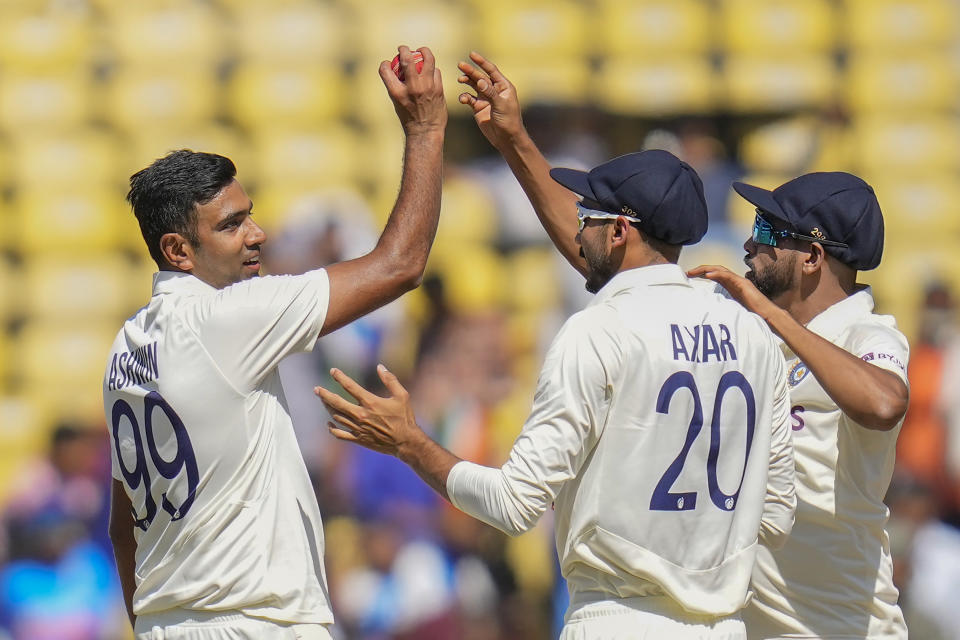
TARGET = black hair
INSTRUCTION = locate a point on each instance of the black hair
(165, 195)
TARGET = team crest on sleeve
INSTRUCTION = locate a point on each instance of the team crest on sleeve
(797, 373)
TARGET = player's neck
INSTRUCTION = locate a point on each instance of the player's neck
(810, 299)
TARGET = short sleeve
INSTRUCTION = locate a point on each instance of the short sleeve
(249, 327)
(880, 345)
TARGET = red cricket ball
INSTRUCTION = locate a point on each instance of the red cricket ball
(395, 65)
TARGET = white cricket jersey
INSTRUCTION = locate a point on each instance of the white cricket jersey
(226, 518)
(660, 429)
(833, 577)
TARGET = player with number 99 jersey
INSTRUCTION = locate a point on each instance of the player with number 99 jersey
(224, 511)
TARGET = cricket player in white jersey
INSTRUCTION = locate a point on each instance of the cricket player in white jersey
(660, 426)
(847, 369)
(214, 522)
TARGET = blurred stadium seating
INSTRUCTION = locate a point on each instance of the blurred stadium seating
(93, 90)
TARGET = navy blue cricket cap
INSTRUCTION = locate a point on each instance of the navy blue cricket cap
(655, 186)
(832, 205)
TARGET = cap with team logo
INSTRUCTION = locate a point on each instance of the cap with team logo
(655, 186)
(834, 206)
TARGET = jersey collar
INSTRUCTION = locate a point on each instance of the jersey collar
(838, 316)
(649, 276)
(178, 282)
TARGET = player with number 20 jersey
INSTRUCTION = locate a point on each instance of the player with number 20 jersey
(659, 429)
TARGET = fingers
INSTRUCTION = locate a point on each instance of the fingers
(351, 386)
(334, 403)
(429, 62)
(389, 78)
(490, 68)
(710, 271)
(476, 80)
(391, 382)
(341, 434)
(347, 424)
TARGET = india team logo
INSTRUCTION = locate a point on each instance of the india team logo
(797, 373)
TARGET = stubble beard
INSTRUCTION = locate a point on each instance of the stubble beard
(600, 267)
(776, 279)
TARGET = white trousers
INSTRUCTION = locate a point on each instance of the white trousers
(196, 625)
(650, 618)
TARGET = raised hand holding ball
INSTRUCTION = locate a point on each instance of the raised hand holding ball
(397, 69)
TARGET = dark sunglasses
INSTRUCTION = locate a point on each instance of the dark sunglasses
(764, 233)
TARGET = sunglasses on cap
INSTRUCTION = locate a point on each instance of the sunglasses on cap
(764, 233)
(584, 214)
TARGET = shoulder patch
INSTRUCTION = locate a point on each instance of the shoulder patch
(798, 371)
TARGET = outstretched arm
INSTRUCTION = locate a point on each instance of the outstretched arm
(496, 111)
(552, 447)
(873, 397)
(396, 264)
(387, 425)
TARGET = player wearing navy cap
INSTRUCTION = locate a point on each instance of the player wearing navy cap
(659, 429)
(214, 522)
(848, 387)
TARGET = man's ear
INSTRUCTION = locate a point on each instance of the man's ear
(814, 259)
(177, 250)
(620, 229)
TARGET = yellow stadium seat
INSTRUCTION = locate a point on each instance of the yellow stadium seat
(11, 292)
(653, 28)
(906, 271)
(793, 27)
(536, 31)
(48, 102)
(233, 7)
(24, 435)
(548, 81)
(906, 143)
(380, 171)
(468, 213)
(138, 100)
(753, 84)
(781, 146)
(919, 206)
(900, 25)
(22, 424)
(315, 156)
(473, 276)
(906, 82)
(5, 358)
(279, 207)
(190, 35)
(59, 287)
(43, 42)
(658, 87)
(533, 282)
(724, 254)
(291, 33)
(72, 220)
(383, 25)
(69, 357)
(81, 159)
(742, 212)
(264, 97)
(149, 144)
(835, 145)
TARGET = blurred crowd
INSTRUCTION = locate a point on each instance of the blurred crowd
(403, 563)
